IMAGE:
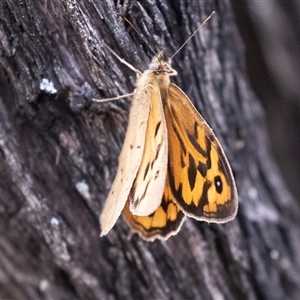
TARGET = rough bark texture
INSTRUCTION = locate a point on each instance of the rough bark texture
(58, 157)
(271, 33)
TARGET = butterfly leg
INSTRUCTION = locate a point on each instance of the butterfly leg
(114, 98)
(122, 60)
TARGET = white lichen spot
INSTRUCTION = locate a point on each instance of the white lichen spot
(54, 221)
(274, 254)
(83, 189)
(44, 285)
(47, 86)
(252, 193)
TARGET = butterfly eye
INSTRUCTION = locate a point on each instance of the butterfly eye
(154, 66)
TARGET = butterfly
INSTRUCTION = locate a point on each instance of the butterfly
(171, 164)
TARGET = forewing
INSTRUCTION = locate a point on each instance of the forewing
(147, 190)
(164, 222)
(200, 176)
(129, 160)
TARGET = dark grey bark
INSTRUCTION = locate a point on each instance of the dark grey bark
(58, 153)
(270, 31)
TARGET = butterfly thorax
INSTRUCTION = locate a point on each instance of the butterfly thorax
(158, 75)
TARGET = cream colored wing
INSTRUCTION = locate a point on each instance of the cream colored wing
(147, 190)
(129, 160)
(199, 173)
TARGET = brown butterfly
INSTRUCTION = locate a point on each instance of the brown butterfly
(171, 163)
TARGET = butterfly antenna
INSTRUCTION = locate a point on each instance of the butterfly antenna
(192, 35)
(139, 34)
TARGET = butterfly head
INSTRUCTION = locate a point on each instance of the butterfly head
(159, 65)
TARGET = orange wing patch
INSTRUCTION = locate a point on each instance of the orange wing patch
(165, 221)
(199, 174)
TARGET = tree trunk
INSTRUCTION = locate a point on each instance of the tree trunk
(59, 151)
(271, 32)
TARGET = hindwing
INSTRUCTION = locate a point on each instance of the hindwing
(165, 221)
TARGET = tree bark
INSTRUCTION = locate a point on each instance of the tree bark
(59, 151)
(270, 31)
